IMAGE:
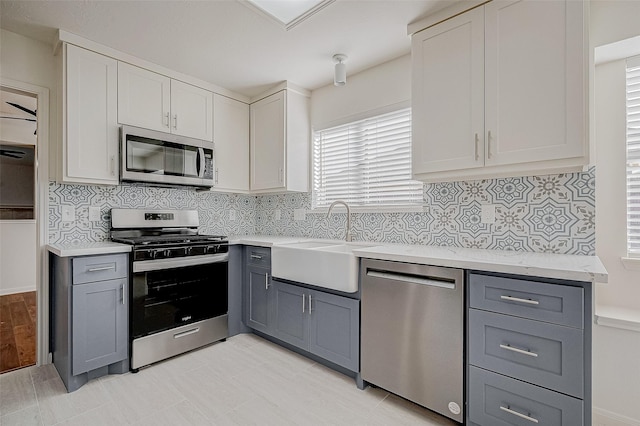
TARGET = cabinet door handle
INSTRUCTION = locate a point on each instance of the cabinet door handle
(519, 300)
(175, 121)
(266, 281)
(515, 413)
(520, 351)
(216, 175)
(123, 295)
(477, 141)
(309, 304)
(167, 122)
(113, 165)
(256, 256)
(303, 303)
(101, 268)
(489, 144)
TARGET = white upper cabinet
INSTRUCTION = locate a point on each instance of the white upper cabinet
(448, 95)
(535, 81)
(144, 98)
(191, 111)
(280, 142)
(231, 139)
(154, 101)
(89, 151)
(501, 90)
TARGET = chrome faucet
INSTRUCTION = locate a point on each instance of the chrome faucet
(347, 236)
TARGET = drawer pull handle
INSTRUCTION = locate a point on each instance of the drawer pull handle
(101, 268)
(186, 333)
(266, 281)
(520, 351)
(255, 256)
(520, 300)
(515, 413)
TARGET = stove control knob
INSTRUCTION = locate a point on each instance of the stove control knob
(167, 253)
(212, 249)
(187, 251)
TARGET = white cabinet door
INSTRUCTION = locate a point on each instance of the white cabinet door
(191, 111)
(231, 140)
(143, 98)
(448, 95)
(535, 81)
(268, 142)
(90, 145)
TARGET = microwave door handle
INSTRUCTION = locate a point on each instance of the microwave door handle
(200, 159)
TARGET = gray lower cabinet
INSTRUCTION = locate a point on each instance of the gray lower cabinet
(327, 325)
(99, 324)
(528, 351)
(324, 324)
(89, 316)
(257, 283)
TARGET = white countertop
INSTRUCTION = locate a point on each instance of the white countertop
(560, 266)
(87, 248)
(263, 240)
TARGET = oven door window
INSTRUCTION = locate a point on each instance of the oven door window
(173, 297)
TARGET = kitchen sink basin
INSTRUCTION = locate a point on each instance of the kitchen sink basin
(325, 264)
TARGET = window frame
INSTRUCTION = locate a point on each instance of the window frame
(419, 206)
(632, 166)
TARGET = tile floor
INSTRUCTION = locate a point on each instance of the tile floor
(243, 381)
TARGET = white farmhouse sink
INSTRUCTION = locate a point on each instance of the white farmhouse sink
(321, 263)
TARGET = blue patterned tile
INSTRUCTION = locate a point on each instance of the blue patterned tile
(554, 213)
(475, 191)
(508, 191)
(470, 221)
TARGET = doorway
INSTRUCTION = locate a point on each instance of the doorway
(18, 229)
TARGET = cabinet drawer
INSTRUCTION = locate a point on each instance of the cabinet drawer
(258, 256)
(544, 354)
(89, 269)
(496, 400)
(556, 303)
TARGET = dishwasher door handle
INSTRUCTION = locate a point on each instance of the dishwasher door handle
(397, 276)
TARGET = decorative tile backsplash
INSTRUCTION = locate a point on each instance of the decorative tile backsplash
(554, 213)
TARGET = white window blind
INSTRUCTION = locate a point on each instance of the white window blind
(633, 156)
(366, 163)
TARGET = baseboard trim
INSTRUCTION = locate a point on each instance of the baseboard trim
(14, 290)
(607, 418)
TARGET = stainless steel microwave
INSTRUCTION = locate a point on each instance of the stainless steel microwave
(165, 159)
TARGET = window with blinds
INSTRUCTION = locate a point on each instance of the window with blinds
(366, 163)
(633, 156)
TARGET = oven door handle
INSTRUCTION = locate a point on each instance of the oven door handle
(180, 262)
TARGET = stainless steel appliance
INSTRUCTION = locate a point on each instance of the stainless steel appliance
(178, 292)
(162, 158)
(412, 333)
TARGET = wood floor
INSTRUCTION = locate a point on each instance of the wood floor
(17, 330)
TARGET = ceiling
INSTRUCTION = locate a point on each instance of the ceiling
(227, 43)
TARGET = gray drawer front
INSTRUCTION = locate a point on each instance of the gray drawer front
(544, 354)
(258, 256)
(488, 392)
(88, 269)
(559, 304)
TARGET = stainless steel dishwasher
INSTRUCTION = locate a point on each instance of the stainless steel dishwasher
(412, 330)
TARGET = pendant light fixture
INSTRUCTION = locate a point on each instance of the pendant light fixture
(340, 72)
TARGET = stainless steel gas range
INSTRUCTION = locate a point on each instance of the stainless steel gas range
(179, 283)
